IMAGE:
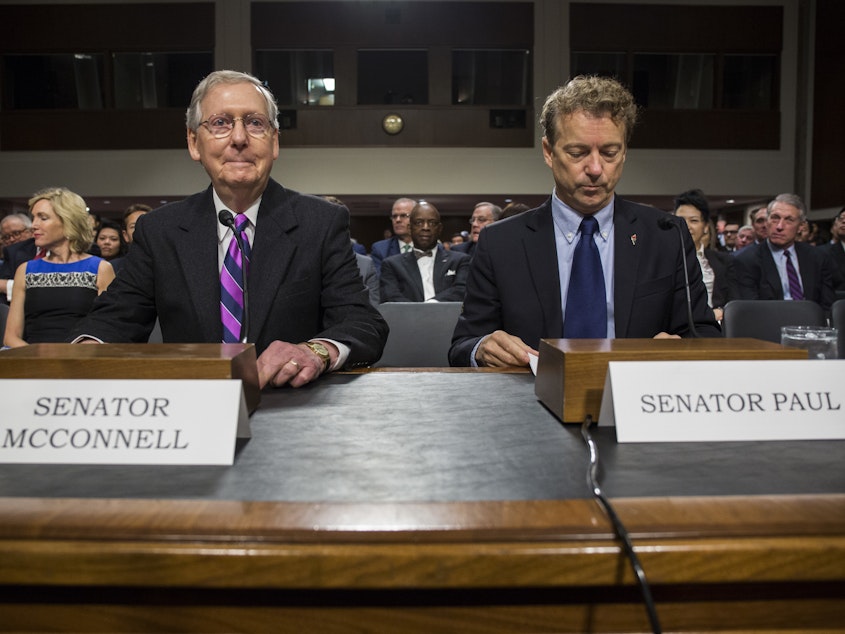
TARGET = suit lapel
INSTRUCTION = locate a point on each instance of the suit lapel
(806, 270)
(626, 255)
(409, 261)
(542, 264)
(197, 256)
(769, 270)
(272, 253)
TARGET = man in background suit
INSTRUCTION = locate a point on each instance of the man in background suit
(836, 249)
(429, 273)
(520, 273)
(401, 241)
(483, 214)
(309, 311)
(762, 268)
(18, 247)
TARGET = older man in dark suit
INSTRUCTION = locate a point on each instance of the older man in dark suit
(529, 279)
(429, 273)
(780, 267)
(309, 311)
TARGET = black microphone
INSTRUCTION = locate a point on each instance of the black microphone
(668, 221)
(228, 220)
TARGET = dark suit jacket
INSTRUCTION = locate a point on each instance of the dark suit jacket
(757, 275)
(837, 262)
(13, 256)
(401, 280)
(303, 283)
(724, 278)
(514, 284)
(465, 247)
(382, 250)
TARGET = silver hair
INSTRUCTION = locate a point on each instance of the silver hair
(494, 209)
(26, 220)
(193, 116)
(789, 199)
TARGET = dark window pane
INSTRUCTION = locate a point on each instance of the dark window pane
(298, 77)
(603, 64)
(491, 77)
(674, 82)
(158, 80)
(35, 82)
(749, 82)
(392, 77)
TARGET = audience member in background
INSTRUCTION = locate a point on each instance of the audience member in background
(482, 215)
(111, 243)
(513, 209)
(525, 282)
(729, 234)
(130, 217)
(780, 267)
(716, 267)
(760, 223)
(53, 292)
(400, 241)
(18, 247)
(308, 312)
(836, 250)
(457, 238)
(744, 236)
(369, 275)
(429, 273)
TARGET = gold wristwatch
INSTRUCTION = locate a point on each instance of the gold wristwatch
(321, 351)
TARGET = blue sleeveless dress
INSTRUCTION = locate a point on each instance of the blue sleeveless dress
(57, 296)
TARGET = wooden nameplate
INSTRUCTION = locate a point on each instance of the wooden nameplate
(136, 361)
(571, 372)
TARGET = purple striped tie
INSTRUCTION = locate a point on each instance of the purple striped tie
(232, 276)
(792, 277)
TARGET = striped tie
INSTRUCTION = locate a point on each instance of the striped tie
(232, 276)
(792, 276)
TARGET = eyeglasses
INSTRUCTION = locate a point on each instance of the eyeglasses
(400, 216)
(221, 125)
(422, 222)
(12, 235)
(728, 231)
(480, 221)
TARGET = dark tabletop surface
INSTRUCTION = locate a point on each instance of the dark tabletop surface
(440, 437)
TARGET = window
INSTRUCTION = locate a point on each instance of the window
(392, 77)
(494, 77)
(50, 82)
(158, 80)
(298, 78)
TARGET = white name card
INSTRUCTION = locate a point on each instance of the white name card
(682, 401)
(126, 421)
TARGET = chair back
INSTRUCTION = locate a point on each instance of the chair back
(837, 320)
(763, 318)
(420, 333)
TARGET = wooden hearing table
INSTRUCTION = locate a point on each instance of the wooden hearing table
(427, 501)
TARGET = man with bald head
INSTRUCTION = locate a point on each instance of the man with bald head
(429, 273)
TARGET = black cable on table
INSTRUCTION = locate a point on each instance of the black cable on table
(618, 526)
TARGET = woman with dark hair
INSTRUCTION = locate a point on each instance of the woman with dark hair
(111, 242)
(52, 293)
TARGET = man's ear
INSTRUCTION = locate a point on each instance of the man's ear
(192, 144)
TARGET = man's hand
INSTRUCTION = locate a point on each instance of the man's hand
(501, 349)
(666, 335)
(294, 364)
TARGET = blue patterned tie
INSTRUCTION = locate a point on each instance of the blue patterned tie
(792, 277)
(586, 304)
(232, 277)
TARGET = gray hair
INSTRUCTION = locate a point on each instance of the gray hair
(789, 199)
(494, 209)
(193, 116)
(26, 220)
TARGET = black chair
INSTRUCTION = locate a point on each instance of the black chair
(420, 334)
(763, 318)
(837, 320)
(4, 312)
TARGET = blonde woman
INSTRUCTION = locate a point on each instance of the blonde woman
(50, 294)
